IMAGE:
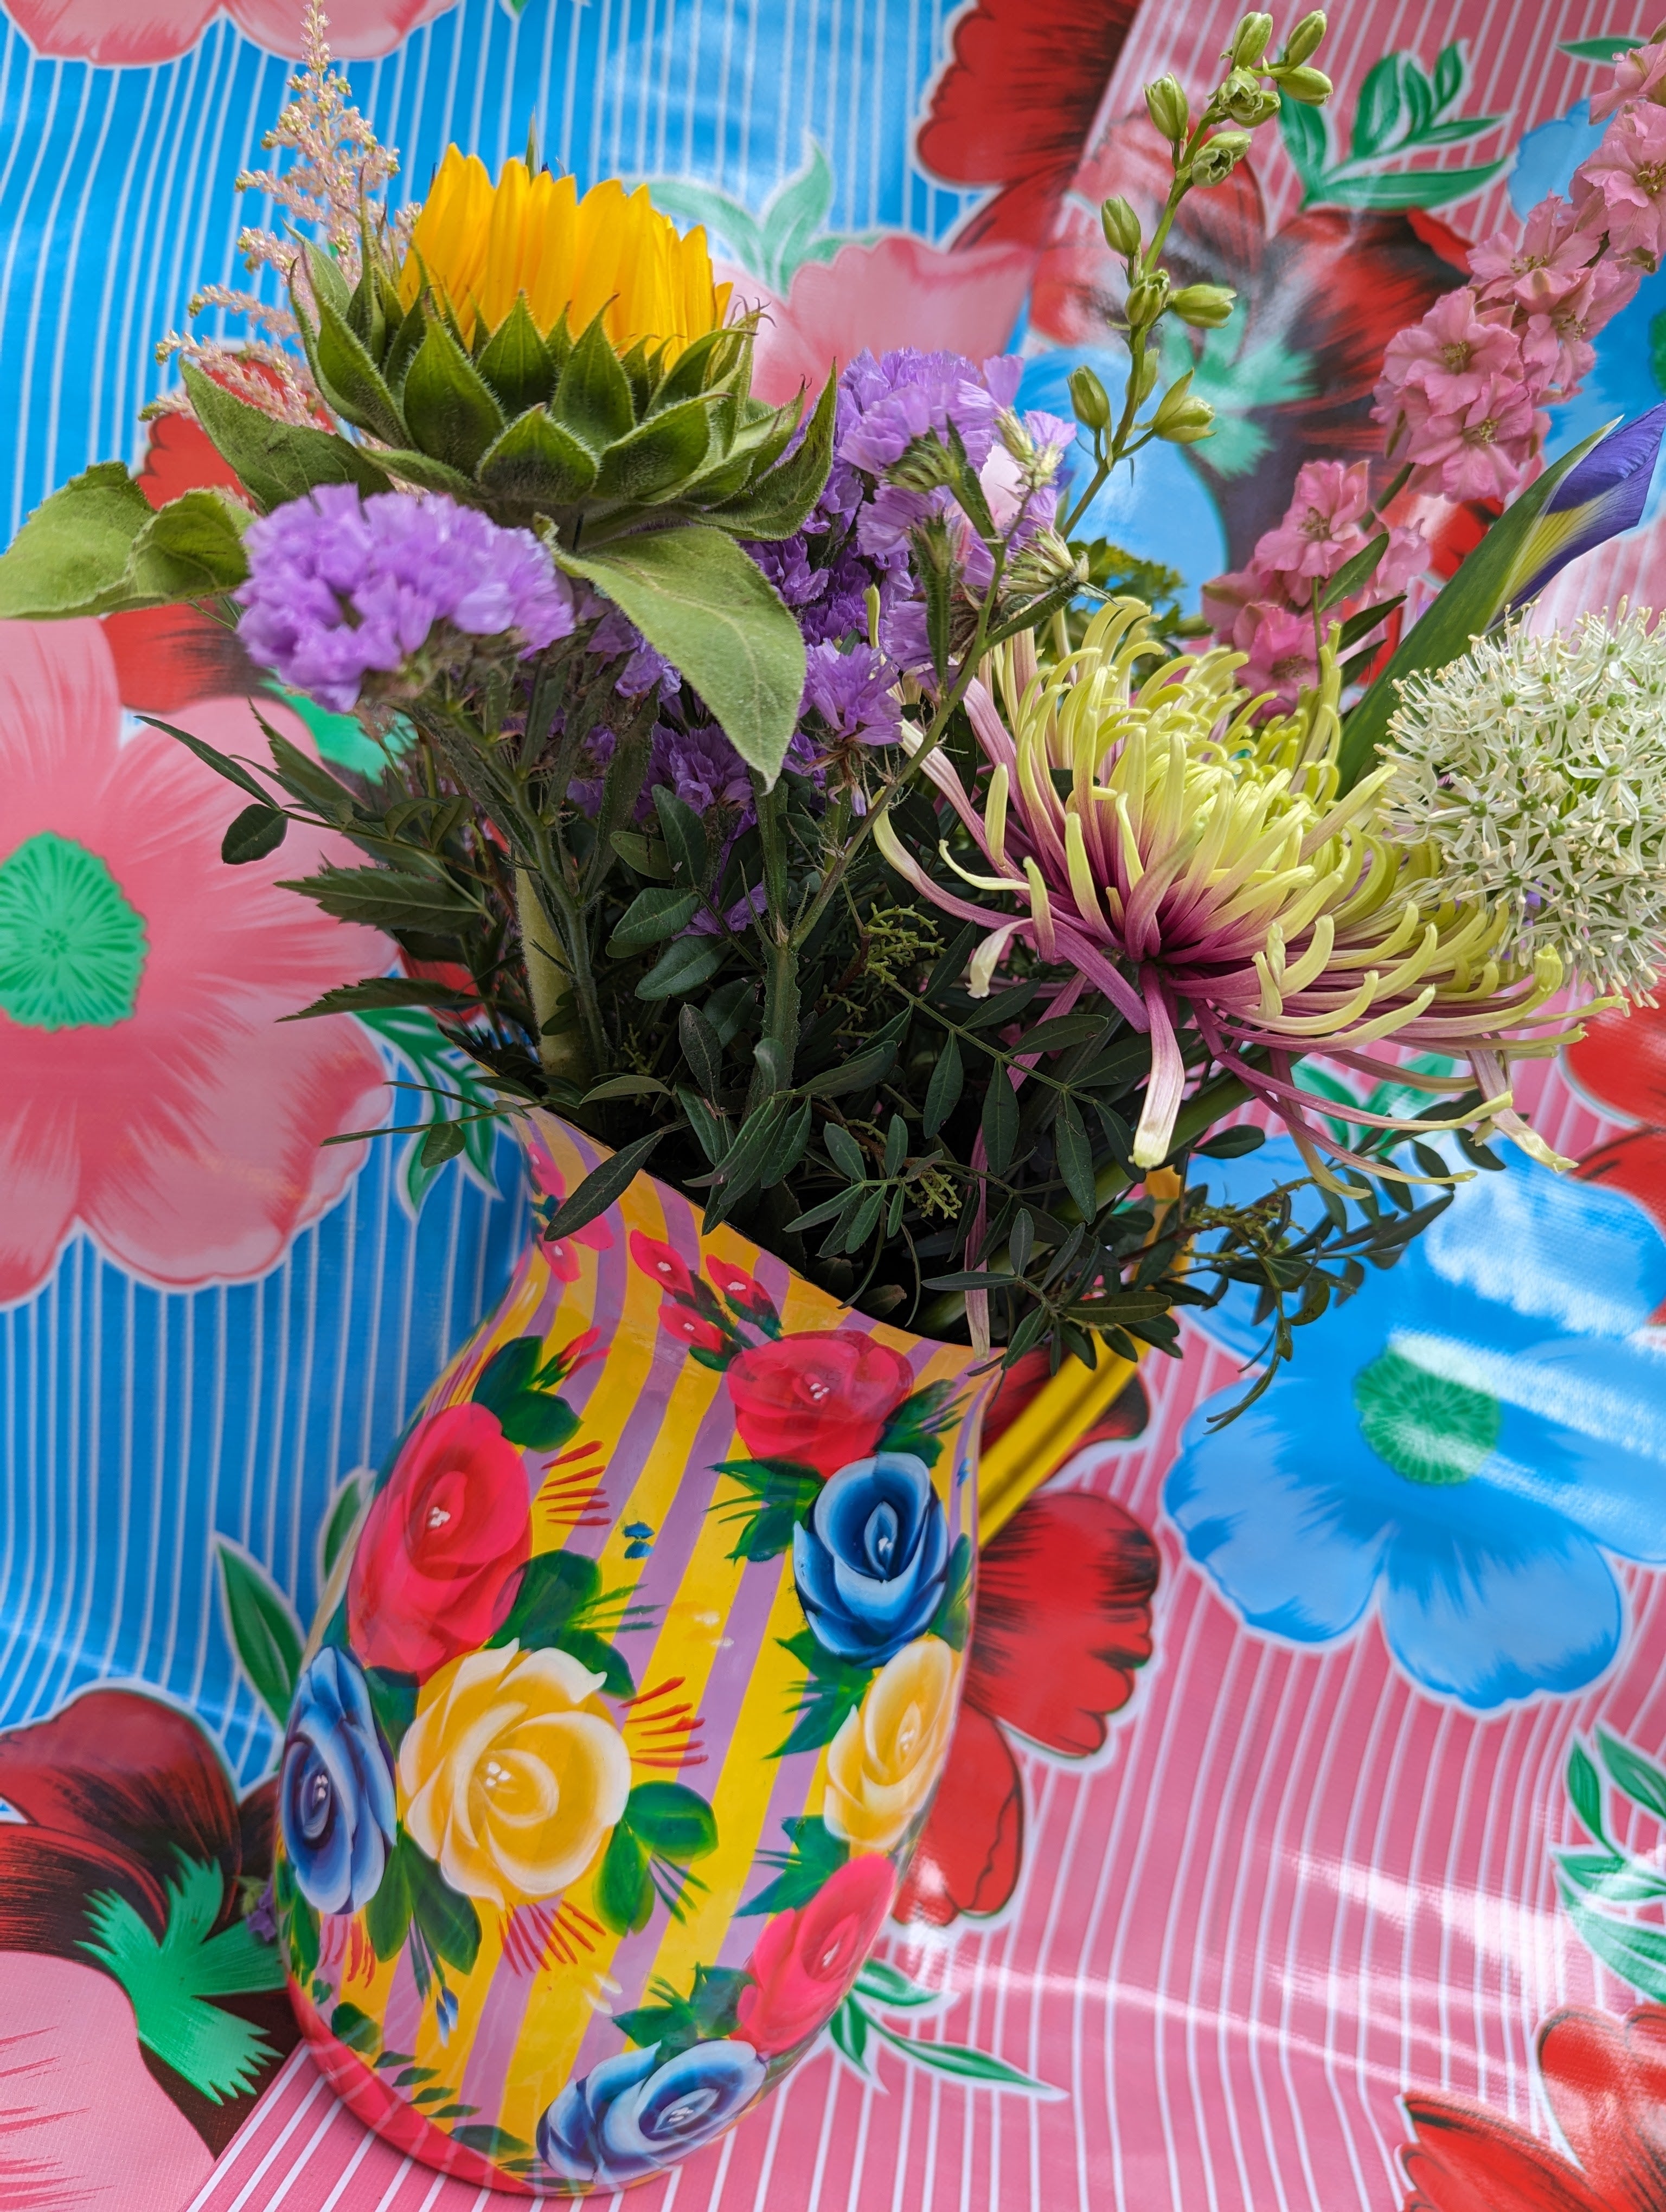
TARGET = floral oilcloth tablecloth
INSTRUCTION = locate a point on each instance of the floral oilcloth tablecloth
(1304, 1844)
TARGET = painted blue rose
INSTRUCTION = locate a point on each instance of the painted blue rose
(872, 1561)
(335, 1792)
(1459, 1447)
(630, 2116)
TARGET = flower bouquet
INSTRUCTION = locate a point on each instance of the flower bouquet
(788, 800)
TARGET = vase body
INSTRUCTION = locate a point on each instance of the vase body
(626, 1700)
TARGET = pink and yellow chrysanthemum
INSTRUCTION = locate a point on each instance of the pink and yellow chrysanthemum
(1184, 857)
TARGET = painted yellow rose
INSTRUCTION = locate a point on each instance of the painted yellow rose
(511, 1774)
(883, 1763)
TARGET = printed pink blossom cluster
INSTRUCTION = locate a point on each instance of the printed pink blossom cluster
(1463, 393)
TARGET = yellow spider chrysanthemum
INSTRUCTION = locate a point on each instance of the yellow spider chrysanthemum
(613, 254)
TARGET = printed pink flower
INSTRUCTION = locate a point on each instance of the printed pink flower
(898, 292)
(114, 33)
(1480, 449)
(1548, 263)
(1621, 189)
(152, 1095)
(1443, 361)
(1637, 76)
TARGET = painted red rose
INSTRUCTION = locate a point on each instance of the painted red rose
(439, 1560)
(805, 1960)
(821, 1398)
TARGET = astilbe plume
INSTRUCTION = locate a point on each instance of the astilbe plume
(331, 183)
(1533, 769)
(1173, 853)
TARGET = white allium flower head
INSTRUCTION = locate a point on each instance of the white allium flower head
(1535, 770)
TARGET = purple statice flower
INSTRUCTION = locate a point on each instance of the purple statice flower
(701, 767)
(614, 634)
(906, 393)
(787, 564)
(842, 609)
(341, 587)
(853, 692)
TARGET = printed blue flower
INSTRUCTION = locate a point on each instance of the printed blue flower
(630, 2116)
(872, 1562)
(1460, 1446)
(336, 1787)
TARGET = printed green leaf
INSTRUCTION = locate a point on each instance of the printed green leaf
(624, 1890)
(168, 1982)
(815, 1854)
(387, 1916)
(887, 1986)
(1641, 1779)
(393, 1702)
(848, 2032)
(300, 1925)
(1408, 188)
(707, 605)
(954, 1618)
(449, 1922)
(1307, 141)
(1584, 1789)
(1610, 1879)
(965, 2065)
(672, 1820)
(265, 1630)
(834, 1687)
(601, 1657)
(556, 1591)
(776, 1495)
(1637, 1954)
(539, 1421)
(1379, 113)
(355, 2029)
(275, 461)
(494, 2143)
(1605, 49)
(339, 1523)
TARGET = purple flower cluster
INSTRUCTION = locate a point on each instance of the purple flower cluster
(854, 693)
(341, 587)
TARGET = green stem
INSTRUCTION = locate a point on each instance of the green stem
(773, 1071)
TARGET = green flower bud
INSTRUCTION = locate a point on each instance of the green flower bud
(1309, 86)
(1090, 401)
(1217, 158)
(1147, 299)
(1250, 41)
(1181, 417)
(1165, 103)
(1204, 306)
(1305, 40)
(1121, 226)
(1145, 378)
(1246, 99)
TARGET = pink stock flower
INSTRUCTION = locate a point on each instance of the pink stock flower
(1279, 644)
(898, 292)
(1640, 75)
(1443, 362)
(116, 33)
(1621, 189)
(1556, 344)
(1547, 265)
(152, 1097)
(1320, 528)
(1481, 450)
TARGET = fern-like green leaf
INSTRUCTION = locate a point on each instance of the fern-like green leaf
(169, 1983)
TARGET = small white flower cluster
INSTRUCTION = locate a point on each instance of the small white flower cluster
(1535, 769)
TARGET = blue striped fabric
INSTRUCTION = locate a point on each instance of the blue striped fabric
(137, 1426)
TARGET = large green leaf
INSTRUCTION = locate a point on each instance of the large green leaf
(1469, 603)
(264, 1628)
(191, 548)
(706, 605)
(71, 557)
(275, 461)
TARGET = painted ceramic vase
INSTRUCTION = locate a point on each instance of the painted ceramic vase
(626, 1701)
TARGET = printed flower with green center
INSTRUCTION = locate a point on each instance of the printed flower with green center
(1179, 854)
(1460, 1448)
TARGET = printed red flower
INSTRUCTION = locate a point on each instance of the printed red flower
(821, 1398)
(562, 1252)
(667, 1266)
(440, 1559)
(704, 1335)
(1620, 1064)
(1015, 106)
(1605, 2081)
(1063, 1624)
(802, 1965)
